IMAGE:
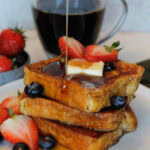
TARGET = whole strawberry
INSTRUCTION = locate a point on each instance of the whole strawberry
(12, 41)
(5, 64)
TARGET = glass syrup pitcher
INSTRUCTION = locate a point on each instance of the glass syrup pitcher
(85, 21)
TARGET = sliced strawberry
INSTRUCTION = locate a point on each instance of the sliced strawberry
(12, 102)
(97, 53)
(75, 48)
(112, 56)
(21, 129)
(4, 114)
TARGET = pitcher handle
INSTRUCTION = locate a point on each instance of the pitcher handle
(118, 24)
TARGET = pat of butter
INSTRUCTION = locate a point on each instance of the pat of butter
(82, 66)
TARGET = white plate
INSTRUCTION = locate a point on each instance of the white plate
(138, 140)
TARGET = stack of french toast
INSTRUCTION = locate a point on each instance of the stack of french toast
(81, 112)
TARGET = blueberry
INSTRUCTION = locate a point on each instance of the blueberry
(47, 142)
(33, 90)
(118, 102)
(20, 146)
(109, 66)
(20, 59)
(1, 137)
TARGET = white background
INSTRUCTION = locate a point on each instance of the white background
(19, 11)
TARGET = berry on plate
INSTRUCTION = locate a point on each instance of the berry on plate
(1, 138)
(20, 146)
(12, 42)
(20, 59)
(96, 53)
(12, 102)
(4, 114)
(75, 48)
(21, 129)
(48, 142)
(5, 64)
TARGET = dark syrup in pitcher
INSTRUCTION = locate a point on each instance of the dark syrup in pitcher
(51, 24)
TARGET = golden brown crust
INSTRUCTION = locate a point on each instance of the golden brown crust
(123, 81)
(130, 122)
(108, 120)
(79, 138)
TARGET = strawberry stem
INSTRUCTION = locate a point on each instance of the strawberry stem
(11, 113)
(19, 93)
(114, 46)
(19, 31)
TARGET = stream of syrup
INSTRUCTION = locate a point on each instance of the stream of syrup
(67, 22)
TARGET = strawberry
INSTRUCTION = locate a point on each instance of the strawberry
(5, 64)
(97, 53)
(22, 129)
(12, 102)
(75, 48)
(4, 114)
(12, 42)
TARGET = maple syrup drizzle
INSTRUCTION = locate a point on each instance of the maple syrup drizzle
(67, 21)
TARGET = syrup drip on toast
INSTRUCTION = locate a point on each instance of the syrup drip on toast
(67, 21)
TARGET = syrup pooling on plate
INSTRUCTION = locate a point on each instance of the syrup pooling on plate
(57, 69)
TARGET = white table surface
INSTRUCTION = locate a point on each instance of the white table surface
(136, 46)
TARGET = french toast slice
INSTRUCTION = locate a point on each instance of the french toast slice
(89, 94)
(75, 138)
(106, 120)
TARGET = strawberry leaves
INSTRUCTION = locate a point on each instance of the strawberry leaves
(19, 93)
(19, 30)
(11, 113)
(114, 46)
